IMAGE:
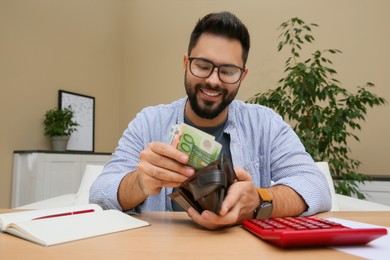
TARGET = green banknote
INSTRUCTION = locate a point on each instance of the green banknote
(201, 147)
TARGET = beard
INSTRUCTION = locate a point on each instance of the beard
(208, 109)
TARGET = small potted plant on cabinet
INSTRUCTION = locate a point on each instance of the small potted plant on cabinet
(59, 125)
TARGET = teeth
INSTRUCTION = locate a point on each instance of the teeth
(212, 94)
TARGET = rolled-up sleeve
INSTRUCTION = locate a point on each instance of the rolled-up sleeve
(292, 166)
(268, 148)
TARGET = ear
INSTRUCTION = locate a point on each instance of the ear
(244, 74)
(185, 61)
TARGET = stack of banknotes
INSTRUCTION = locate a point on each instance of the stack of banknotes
(201, 147)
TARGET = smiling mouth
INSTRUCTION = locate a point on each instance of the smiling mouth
(210, 93)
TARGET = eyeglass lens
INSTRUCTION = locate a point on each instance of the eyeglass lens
(227, 73)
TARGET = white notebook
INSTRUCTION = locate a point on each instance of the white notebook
(46, 228)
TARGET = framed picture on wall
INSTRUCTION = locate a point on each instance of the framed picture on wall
(84, 114)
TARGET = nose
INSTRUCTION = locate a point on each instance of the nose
(213, 79)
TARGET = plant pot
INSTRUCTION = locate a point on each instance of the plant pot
(59, 143)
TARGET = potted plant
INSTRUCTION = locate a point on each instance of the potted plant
(59, 125)
(323, 114)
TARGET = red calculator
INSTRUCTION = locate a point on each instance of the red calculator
(309, 232)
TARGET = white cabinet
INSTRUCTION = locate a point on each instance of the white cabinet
(39, 175)
(377, 190)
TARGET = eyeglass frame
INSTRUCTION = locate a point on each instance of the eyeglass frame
(242, 69)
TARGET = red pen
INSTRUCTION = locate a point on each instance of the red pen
(66, 214)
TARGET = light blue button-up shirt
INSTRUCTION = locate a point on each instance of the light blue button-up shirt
(260, 142)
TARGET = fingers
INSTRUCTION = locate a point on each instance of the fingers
(239, 203)
(209, 219)
(238, 191)
(167, 151)
(161, 165)
(167, 157)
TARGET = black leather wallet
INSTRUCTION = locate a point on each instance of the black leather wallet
(207, 188)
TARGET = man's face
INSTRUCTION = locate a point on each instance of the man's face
(210, 96)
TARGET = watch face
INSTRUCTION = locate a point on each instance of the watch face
(265, 210)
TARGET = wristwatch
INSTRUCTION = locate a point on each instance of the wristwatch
(264, 210)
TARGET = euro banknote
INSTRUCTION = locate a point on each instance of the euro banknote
(200, 146)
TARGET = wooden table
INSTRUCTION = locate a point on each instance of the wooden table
(172, 235)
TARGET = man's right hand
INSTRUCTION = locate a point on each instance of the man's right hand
(161, 165)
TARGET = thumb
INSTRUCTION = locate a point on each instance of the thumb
(242, 175)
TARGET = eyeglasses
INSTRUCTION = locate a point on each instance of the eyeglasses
(227, 73)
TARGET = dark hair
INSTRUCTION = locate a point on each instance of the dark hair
(223, 24)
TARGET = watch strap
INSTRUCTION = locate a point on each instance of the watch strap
(264, 210)
(264, 195)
